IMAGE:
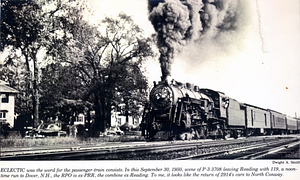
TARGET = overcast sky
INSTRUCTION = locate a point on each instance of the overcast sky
(259, 65)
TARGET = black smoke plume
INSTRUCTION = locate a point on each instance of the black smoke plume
(179, 22)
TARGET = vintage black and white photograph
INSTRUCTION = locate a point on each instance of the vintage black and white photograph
(150, 80)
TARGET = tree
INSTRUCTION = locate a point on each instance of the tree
(132, 92)
(14, 72)
(61, 93)
(104, 62)
(21, 28)
(108, 59)
(33, 28)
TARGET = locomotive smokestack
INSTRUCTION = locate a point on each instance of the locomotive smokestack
(189, 86)
(166, 79)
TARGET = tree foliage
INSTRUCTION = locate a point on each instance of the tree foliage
(108, 59)
(70, 65)
(33, 28)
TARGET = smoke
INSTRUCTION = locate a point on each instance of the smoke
(218, 16)
(180, 23)
(176, 24)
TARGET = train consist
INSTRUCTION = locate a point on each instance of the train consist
(184, 111)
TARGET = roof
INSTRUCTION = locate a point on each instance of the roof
(6, 89)
(255, 106)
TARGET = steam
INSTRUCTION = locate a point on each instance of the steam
(218, 16)
(178, 23)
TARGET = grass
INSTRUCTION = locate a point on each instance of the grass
(23, 142)
(12, 141)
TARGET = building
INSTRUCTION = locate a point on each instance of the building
(7, 103)
(118, 116)
(80, 119)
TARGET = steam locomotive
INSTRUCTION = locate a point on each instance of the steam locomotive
(184, 111)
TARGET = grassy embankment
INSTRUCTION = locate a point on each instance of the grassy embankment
(17, 141)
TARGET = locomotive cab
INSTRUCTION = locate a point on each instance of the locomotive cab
(221, 102)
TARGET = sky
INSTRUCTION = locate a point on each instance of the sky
(259, 64)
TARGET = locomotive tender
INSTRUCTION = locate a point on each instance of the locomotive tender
(184, 111)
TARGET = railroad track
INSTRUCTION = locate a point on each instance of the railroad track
(76, 152)
(256, 151)
(142, 150)
(269, 150)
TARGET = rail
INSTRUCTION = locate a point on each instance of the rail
(145, 150)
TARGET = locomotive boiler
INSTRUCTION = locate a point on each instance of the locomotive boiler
(183, 111)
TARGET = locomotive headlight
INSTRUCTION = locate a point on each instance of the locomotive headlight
(161, 97)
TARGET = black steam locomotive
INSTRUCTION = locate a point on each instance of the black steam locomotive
(184, 111)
